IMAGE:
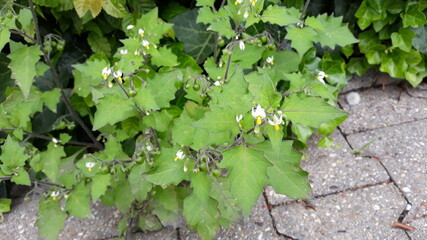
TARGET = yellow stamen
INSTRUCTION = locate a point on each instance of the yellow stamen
(148, 47)
(277, 127)
(89, 169)
(53, 198)
(236, 3)
(272, 62)
(176, 158)
(120, 79)
(253, 2)
(326, 75)
(105, 76)
(258, 121)
(142, 34)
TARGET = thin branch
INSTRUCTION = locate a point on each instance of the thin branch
(128, 96)
(23, 34)
(58, 82)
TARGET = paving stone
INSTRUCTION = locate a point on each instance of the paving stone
(335, 169)
(402, 149)
(258, 226)
(420, 232)
(420, 91)
(365, 213)
(382, 108)
(167, 233)
(372, 78)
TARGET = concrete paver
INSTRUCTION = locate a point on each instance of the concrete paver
(372, 78)
(335, 169)
(379, 108)
(361, 214)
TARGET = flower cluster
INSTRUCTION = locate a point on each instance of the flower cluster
(259, 114)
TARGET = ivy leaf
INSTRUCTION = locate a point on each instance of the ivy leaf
(167, 171)
(403, 39)
(52, 98)
(100, 183)
(82, 6)
(280, 15)
(139, 186)
(111, 109)
(286, 176)
(413, 16)
(201, 215)
(247, 174)
(394, 63)
(198, 42)
(78, 201)
(331, 31)
(51, 219)
(21, 177)
(24, 73)
(420, 40)
(13, 155)
(301, 38)
(309, 111)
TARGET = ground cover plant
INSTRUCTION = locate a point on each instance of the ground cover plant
(176, 112)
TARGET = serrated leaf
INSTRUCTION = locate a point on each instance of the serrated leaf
(202, 215)
(114, 9)
(13, 155)
(82, 6)
(123, 197)
(110, 110)
(198, 42)
(167, 171)
(78, 201)
(264, 91)
(218, 120)
(51, 219)
(50, 160)
(247, 174)
(88, 74)
(166, 205)
(100, 183)
(52, 98)
(24, 73)
(301, 38)
(21, 177)
(309, 111)
(164, 57)
(286, 176)
(280, 15)
(139, 186)
(222, 26)
(331, 31)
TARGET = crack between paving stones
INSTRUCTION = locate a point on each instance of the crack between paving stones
(178, 233)
(273, 221)
(404, 213)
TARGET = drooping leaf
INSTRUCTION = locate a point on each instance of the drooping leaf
(100, 183)
(50, 160)
(309, 111)
(139, 186)
(201, 215)
(123, 197)
(52, 98)
(78, 201)
(167, 171)
(111, 109)
(403, 39)
(24, 73)
(301, 38)
(247, 174)
(51, 219)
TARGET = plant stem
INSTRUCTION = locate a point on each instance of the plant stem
(128, 96)
(58, 82)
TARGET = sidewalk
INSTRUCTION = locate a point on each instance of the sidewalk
(354, 197)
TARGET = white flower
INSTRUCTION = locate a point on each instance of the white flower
(118, 74)
(130, 27)
(217, 83)
(123, 51)
(179, 155)
(270, 60)
(242, 45)
(54, 140)
(54, 194)
(90, 165)
(258, 113)
(149, 148)
(141, 32)
(146, 44)
(320, 76)
(239, 118)
(353, 98)
(237, 2)
(246, 14)
(276, 121)
(106, 72)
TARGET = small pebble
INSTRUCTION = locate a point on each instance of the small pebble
(406, 189)
(353, 98)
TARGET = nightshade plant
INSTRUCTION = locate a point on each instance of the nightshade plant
(172, 114)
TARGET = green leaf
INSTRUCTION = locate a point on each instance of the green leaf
(88, 74)
(5, 76)
(202, 215)
(302, 132)
(123, 196)
(222, 26)
(99, 43)
(78, 201)
(82, 6)
(309, 111)
(301, 38)
(286, 176)
(5, 205)
(114, 9)
(111, 109)
(47, 3)
(247, 174)
(166, 205)
(164, 57)
(139, 186)
(141, 6)
(286, 61)
(326, 142)
(331, 31)
(198, 42)
(50, 160)
(100, 183)
(24, 73)
(413, 16)
(64, 138)
(394, 63)
(281, 15)
(51, 219)
(167, 171)
(201, 3)
(13, 155)
(52, 98)
(403, 39)
(264, 90)
(420, 40)
(219, 120)
(154, 26)
(21, 177)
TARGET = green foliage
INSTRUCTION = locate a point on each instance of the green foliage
(183, 111)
